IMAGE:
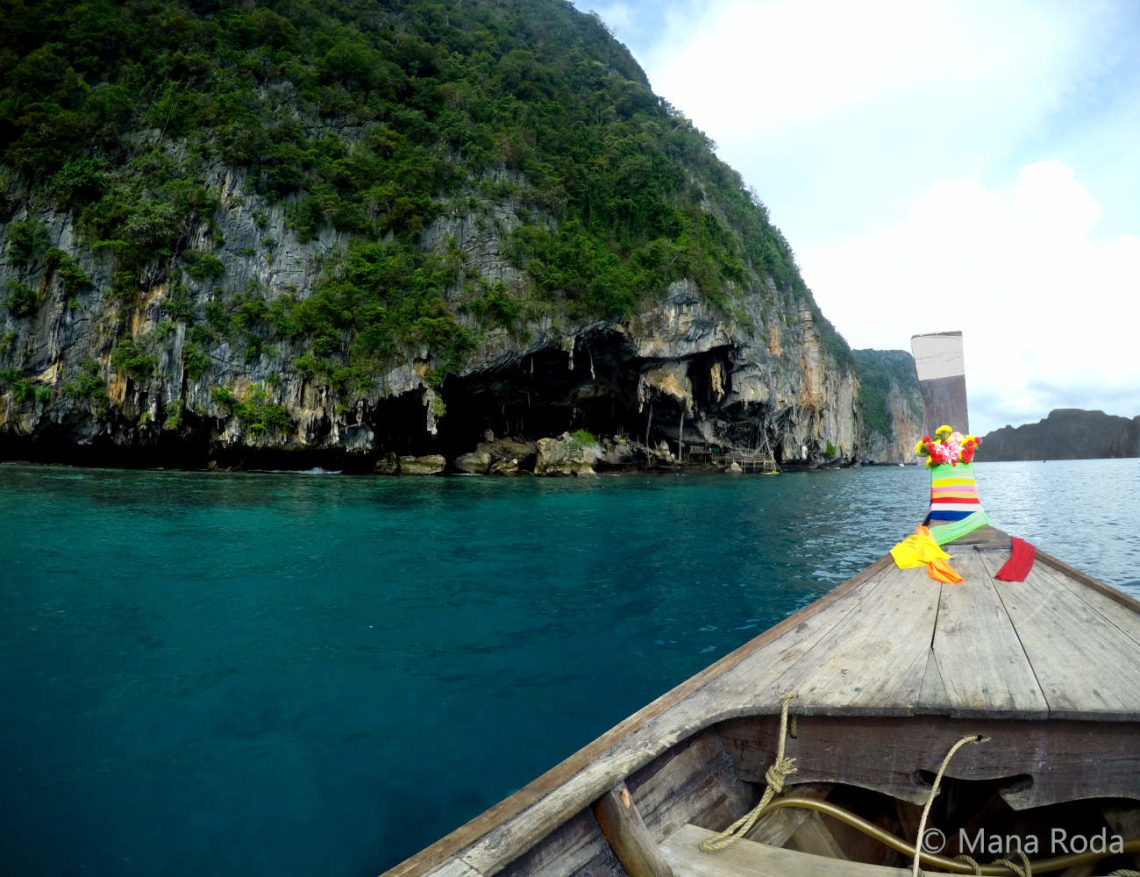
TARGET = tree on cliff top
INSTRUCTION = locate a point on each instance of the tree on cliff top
(373, 119)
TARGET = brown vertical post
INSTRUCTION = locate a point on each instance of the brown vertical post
(629, 838)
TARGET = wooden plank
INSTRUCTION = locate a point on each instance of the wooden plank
(944, 402)
(874, 660)
(704, 705)
(694, 782)
(455, 868)
(759, 683)
(748, 859)
(1113, 610)
(624, 829)
(577, 847)
(1086, 666)
(932, 697)
(980, 660)
(1083, 578)
(985, 538)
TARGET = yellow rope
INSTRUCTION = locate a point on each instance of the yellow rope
(780, 770)
(973, 738)
(783, 767)
(957, 865)
(1022, 869)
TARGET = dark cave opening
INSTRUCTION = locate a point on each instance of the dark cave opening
(546, 393)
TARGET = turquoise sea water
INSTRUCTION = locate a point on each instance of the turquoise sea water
(297, 674)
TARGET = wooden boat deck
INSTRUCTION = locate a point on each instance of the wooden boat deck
(899, 643)
(1055, 654)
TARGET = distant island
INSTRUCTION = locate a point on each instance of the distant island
(1066, 434)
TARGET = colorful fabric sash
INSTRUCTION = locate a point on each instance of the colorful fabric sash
(955, 508)
(920, 549)
(1020, 562)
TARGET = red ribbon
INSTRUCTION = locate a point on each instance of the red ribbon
(1020, 561)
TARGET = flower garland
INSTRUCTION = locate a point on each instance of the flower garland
(947, 447)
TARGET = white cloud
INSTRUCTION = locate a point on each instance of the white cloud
(939, 165)
(1048, 310)
(836, 111)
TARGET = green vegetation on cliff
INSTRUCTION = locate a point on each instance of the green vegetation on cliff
(373, 119)
(884, 374)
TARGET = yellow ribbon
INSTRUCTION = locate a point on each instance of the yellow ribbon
(920, 549)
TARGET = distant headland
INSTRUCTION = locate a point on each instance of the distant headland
(1066, 434)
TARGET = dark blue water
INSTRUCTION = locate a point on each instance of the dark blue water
(296, 674)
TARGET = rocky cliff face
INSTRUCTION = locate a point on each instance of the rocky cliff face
(1066, 434)
(890, 405)
(91, 377)
(388, 237)
(896, 444)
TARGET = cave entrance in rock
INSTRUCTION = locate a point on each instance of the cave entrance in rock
(545, 393)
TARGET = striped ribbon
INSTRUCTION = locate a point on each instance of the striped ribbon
(955, 508)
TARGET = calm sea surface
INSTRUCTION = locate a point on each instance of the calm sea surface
(295, 674)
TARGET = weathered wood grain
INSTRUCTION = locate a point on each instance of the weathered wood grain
(1083, 578)
(932, 697)
(1118, 613)
(623, 827)
(981, 663)
(1125, 821)
(873, 661)
(454, 868)
(694, 782)
(1084, 664)
(748, 859)
(577, 847)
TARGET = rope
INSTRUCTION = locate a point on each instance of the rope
(780, 770)
(1022, 869)
(966, 860)
(1124, 872)
(973, 738)
(956, 865)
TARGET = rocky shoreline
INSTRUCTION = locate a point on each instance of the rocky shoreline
(576, 454)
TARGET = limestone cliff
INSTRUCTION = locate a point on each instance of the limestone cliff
(678, 370)
(350, 234)
(890, 405)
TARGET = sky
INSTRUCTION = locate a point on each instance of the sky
(971, 165)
